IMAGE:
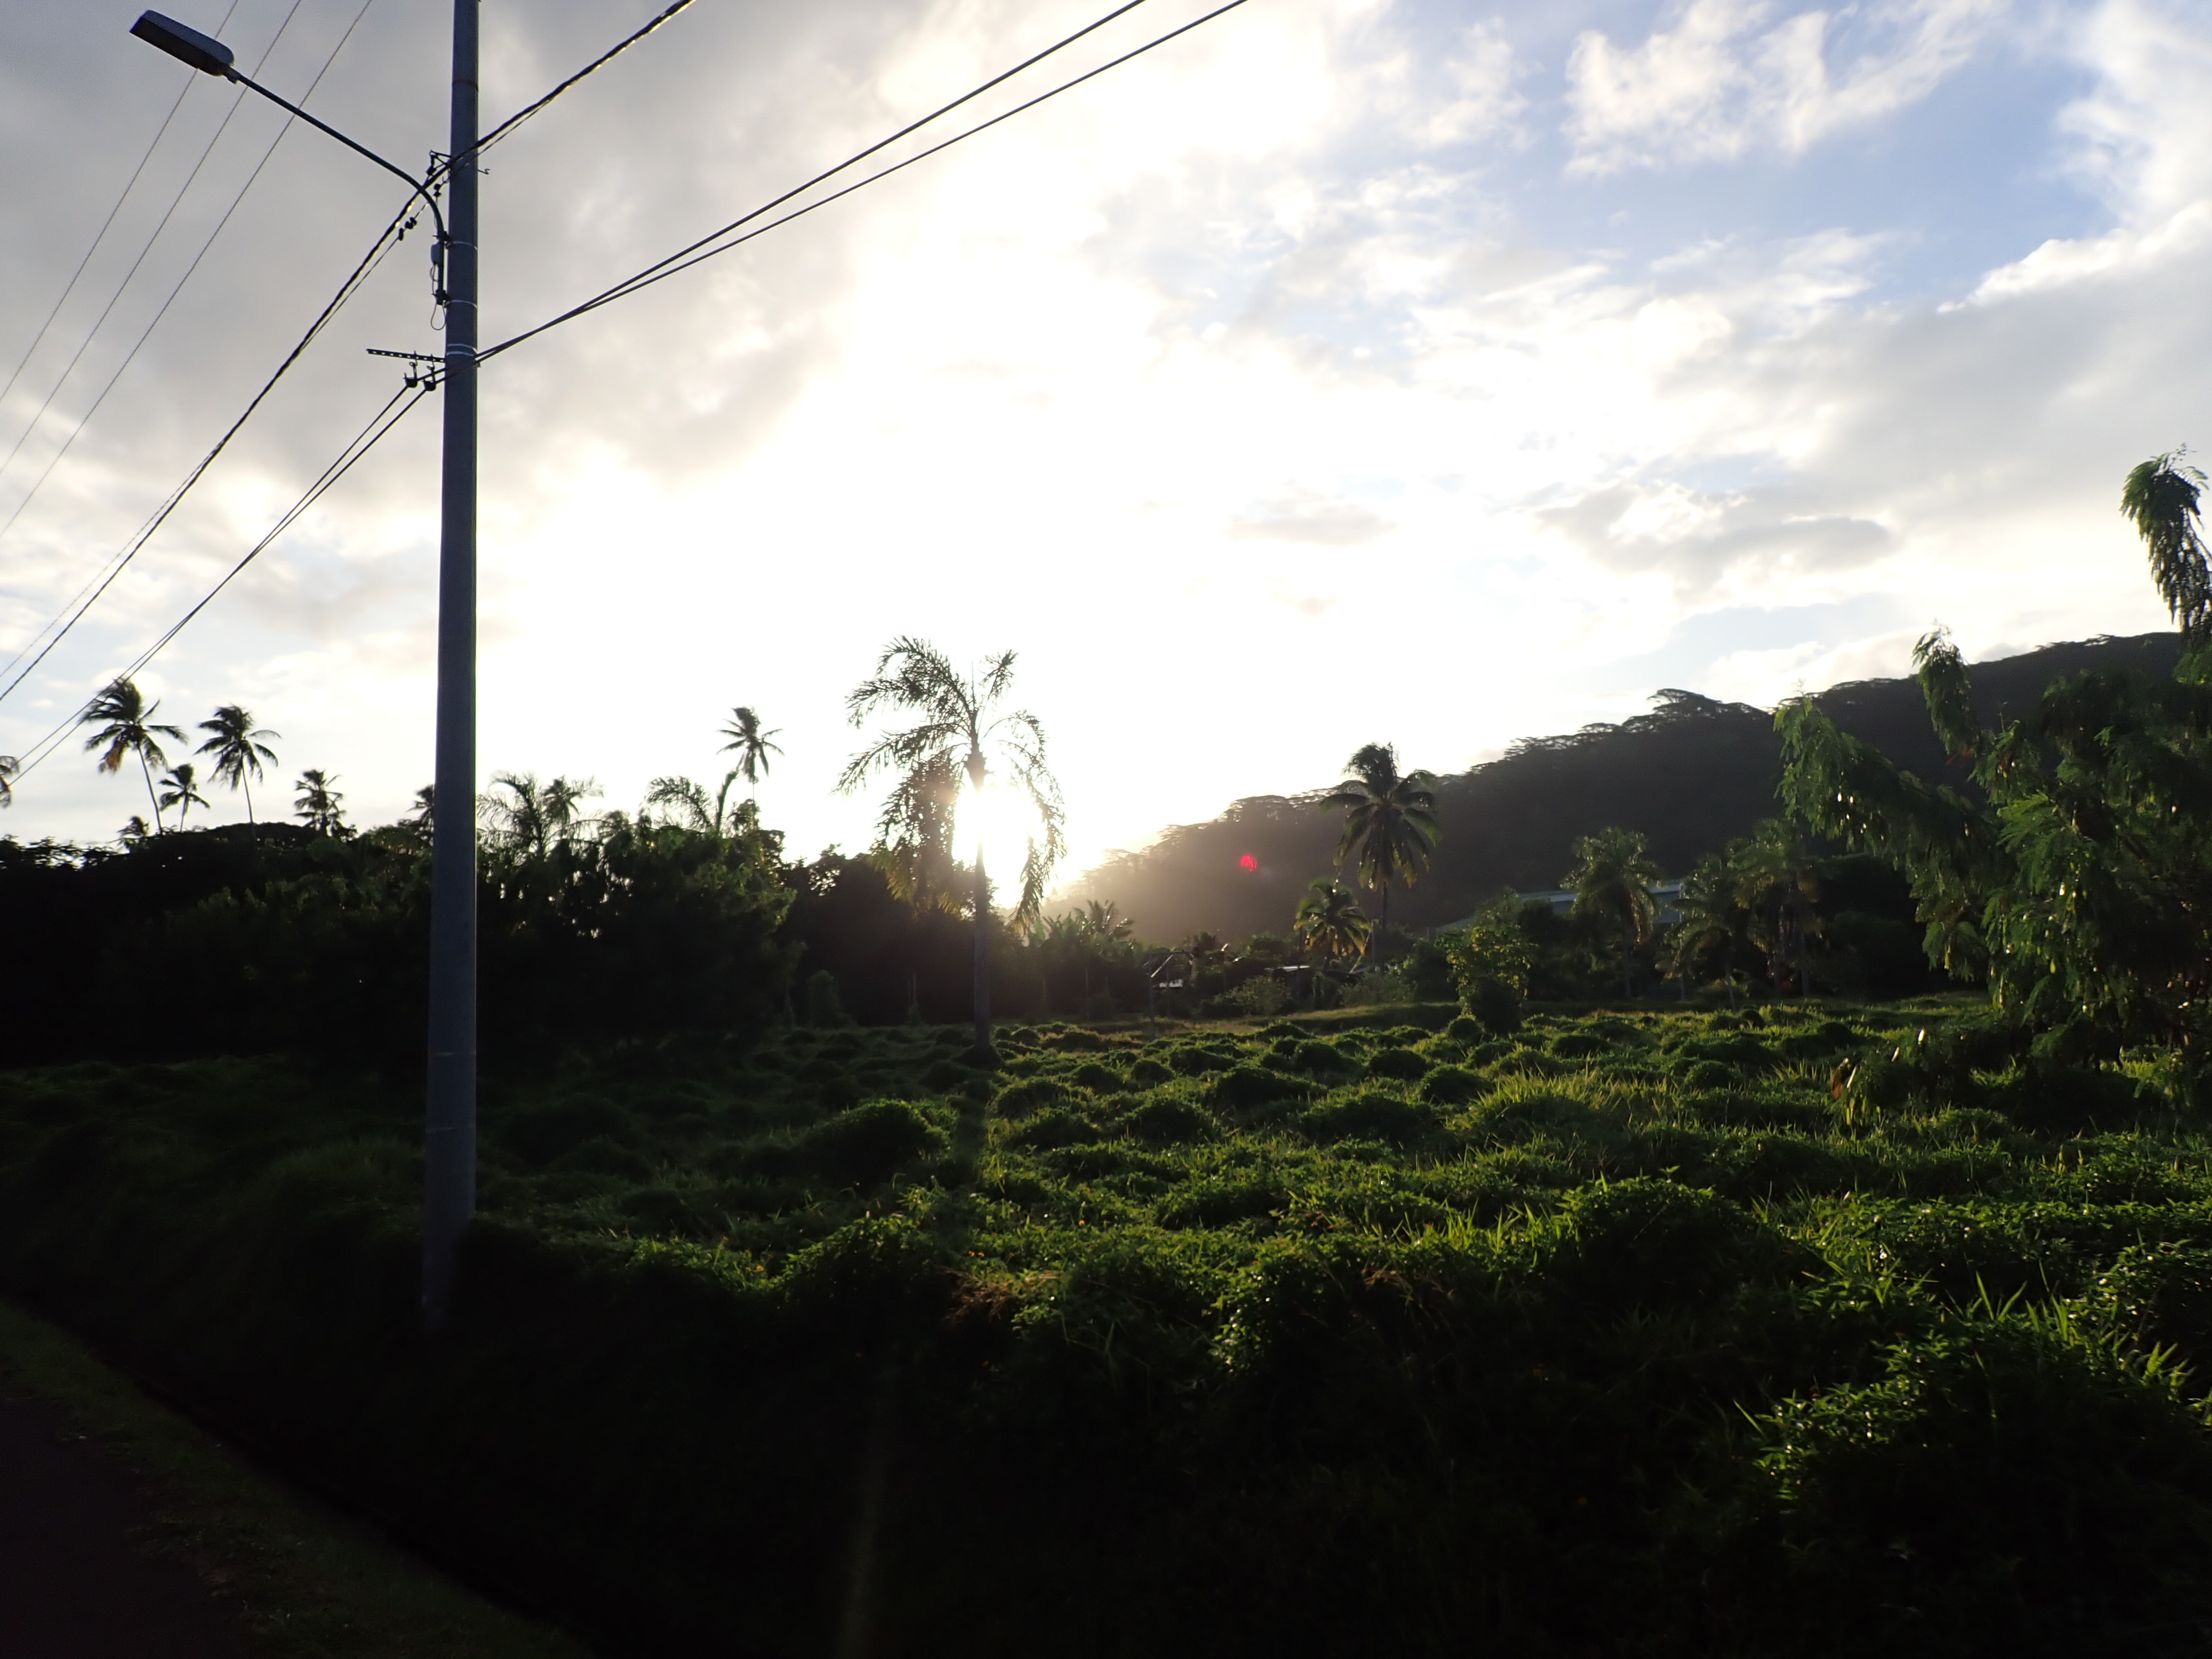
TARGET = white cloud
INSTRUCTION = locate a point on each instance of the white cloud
(1727, 79)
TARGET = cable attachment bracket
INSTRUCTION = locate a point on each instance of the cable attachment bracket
(424, 368)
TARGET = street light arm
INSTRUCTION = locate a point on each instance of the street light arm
(418, 185)
(211, 56)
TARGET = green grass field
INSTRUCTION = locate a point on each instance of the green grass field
(1808, 1330)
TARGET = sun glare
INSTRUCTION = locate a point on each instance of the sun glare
(1004, 820)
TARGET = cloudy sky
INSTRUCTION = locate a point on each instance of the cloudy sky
(1346, 370)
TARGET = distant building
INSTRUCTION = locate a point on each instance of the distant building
(1666, 894)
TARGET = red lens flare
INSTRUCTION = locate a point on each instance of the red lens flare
(1247, 862)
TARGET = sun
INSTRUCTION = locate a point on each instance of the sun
(1004, 819)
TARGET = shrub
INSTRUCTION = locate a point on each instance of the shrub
(1452, 1086)
(1401, 1063)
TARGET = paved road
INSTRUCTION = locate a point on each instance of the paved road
(73, 1583)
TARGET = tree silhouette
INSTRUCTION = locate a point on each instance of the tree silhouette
(1330, 921)
(1612, 878)
(752, 746)
(960, 731)
(1106, 921)
(1389, 822)
(10, 766)
(128, 727)
(319, 804)
(179, 790)
(419, 822)
(2159, 498)
(238, 750)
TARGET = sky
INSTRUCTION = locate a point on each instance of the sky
(1345, 370)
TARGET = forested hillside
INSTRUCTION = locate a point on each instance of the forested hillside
(1691, 776)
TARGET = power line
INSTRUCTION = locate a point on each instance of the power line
(101, 321)
(145, 333)
(607, 57)
(82, 601)
(360, 274)
(380, 425)
(38, 339)
(684, 259)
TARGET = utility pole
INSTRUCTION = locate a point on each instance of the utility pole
(449, 1148)
(449, 1151)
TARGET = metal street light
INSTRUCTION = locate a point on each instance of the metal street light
(449, 1174)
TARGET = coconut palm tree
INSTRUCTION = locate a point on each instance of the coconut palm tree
(1389, 822)
(961, 731)
(127, 727)
(10, 766)
(317, 803)
(1612, 878)
(419, 822)
(2159, 498)
(179, 790)
(752, 743)
(238, 750)
(1330, 922)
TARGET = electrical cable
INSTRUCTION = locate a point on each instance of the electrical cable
(653, 274)
(122, 288)
(106, 224)
(642, 277)
(607, 57)
(360, 274)
(79, 604)
(378, 427)
(145, 333)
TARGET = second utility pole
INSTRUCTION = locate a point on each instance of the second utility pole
(449, 1150)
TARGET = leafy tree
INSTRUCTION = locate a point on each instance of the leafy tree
(179, 790)
(1491, 962)
(1389, 821)
(751, 745)
(238, 750)
(127, 727)
(318, 804)
(960, 731)
(1612, 880)
(2078, 882)
(1330, 921)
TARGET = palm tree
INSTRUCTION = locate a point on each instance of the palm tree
(1330, 922)
(1389, 822)
(420, 824)
(1712, 920)
(960, 730)
(130, 729)
(238, 750)
(319, 804)
(1612, 878)
(1774, 877)
(752, 744)
(2159, 499)
(1106, 921)
(693, 807)
(178, 790)
(10, 766)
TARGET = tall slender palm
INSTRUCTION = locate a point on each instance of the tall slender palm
(752, 743)
(239, 749)
(1612, 878)
(127, 727)
(1329, 921)
(1389, 822)
(179, 789)
(961, 731)
(10, 766)
(2160, 500)
(319, 804)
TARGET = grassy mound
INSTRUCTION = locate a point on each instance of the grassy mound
(1811, 1332)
